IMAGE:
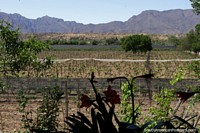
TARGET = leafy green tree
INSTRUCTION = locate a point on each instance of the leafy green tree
(192, 40)
(196, 6)
(197, 29)
(136, 43)
(17, 55)
(173, 40)
(195, 47)
(112, 41)
(191, 36)
(188, 40)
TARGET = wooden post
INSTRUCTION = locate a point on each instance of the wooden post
(66, 100)
(78, 92)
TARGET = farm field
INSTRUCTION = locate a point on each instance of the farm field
(80, 64)
(91, 74)
(10, 117)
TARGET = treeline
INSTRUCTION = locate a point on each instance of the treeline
(82, 41)
(189, 41)
(186, 42)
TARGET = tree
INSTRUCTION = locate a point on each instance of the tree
(17, 55)
(135, 43)
(196, 42)
(196, 5)
(173, 40)
(192, 40)
(195, 47)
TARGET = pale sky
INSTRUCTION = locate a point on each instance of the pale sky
(89, 11)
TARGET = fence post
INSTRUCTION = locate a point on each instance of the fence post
(78, 92)
(66, 100)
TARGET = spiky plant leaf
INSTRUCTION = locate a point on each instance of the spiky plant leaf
(102, 123)
(82, 128)
(94, 121)
(184, 122)
(84, 119)
(142, 128)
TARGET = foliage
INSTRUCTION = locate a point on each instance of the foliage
(164, 98)
(196, 5)
(135, 43)
(191, 41)
(161, 110)
(126, 108)
(112, 41)
(195, 47)
(164, 115)
(3, 87)
(22, 100)
(178, 77)
(173, 40)
(195, 67)
(102, 112)
(102, 119)
(17, 55)
(83, 41)
(46, 119)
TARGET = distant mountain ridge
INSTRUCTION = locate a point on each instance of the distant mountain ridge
(176, 21)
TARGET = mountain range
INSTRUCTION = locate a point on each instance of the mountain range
(176, 21)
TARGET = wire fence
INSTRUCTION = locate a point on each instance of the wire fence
(124, 60)
(84, 84)
(73, 88)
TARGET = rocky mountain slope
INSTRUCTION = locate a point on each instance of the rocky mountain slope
(175, 21)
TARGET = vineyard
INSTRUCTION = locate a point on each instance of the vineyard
(72, 68)
(95, 89)
(79, 64)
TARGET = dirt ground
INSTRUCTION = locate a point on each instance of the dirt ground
(10, 117)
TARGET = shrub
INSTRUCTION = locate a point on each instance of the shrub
(46, 119)
(136, 43)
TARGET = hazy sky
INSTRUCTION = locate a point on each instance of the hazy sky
(89, 11)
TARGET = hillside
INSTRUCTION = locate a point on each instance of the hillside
(176, 21)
